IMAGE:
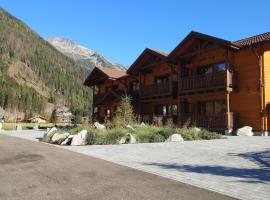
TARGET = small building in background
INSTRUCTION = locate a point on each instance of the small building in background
(37, 119)
(63, 115)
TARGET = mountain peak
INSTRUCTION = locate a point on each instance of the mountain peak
(83, 55)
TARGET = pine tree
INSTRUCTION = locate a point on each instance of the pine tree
(124, 113)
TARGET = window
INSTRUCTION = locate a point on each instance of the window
(108, 112)
(185, 107)
(166, 110)
(96, 90)
(162, 79)
(212, 68)
(217, 106)
(174, 110)
(134, 86)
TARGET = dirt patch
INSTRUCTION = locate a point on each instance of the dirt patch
(21, 158)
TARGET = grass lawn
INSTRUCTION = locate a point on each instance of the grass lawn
(12, 126)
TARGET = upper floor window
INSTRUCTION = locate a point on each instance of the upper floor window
(134, 85)
(212, 68)
(162, 79)
(96, 90)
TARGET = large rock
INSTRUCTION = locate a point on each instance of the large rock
(68, 141)
(130, 127)
(18, 127)
(123, 140)
(59, 137)
(99, 126)
(80, 138)
(132, 139)
(175, 138)
(51, 132)
(143, 124)
(129, 138)
(244, 131)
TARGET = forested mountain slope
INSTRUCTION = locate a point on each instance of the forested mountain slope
(34, 74)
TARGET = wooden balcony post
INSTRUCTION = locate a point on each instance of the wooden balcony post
(228, 116)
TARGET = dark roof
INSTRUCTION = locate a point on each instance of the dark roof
(194, 34)
(112, 73)
(159, 54)
(254, 40)
(99, 74)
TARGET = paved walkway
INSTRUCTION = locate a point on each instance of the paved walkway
(237, 166)
(36, 171)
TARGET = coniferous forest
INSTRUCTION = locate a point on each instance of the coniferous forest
(29, 65)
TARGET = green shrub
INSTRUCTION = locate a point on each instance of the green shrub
(197, 134)
(113, 136)
(96, 137)
(150, 133)
(166, 131)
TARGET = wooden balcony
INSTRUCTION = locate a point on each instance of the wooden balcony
(216, 122)
(224, 80)
(158, 90)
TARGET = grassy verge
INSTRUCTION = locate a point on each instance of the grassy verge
(25, 126)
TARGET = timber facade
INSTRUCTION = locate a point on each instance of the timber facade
(205, 81)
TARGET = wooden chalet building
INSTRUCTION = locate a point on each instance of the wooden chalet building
(205, 81)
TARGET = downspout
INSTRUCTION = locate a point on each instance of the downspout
(261, 91)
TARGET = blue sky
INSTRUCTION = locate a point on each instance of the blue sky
(121, 29)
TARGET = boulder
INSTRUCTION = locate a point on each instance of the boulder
(132, 139)
(244, 131)
(18, 127)
(99, 126)
(142, 124)
(130, 127)
(123, 140)
(59, 137)
(68, 140)
(51, 131)
(175, 138)
(80, 138)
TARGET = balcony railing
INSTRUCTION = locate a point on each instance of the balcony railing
(223, 79)
(210, 121)
(156, 90)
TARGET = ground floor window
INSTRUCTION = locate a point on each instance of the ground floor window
(216, 106)
(166, 110)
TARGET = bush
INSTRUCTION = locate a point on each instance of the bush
(197, 134)
(96, 137)
(151, 133)
(113, 136)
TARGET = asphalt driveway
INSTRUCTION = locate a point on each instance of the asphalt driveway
(32, 171)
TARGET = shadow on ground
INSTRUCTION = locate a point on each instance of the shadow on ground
(250, 175)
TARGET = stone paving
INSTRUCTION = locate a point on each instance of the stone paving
(237, 166)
